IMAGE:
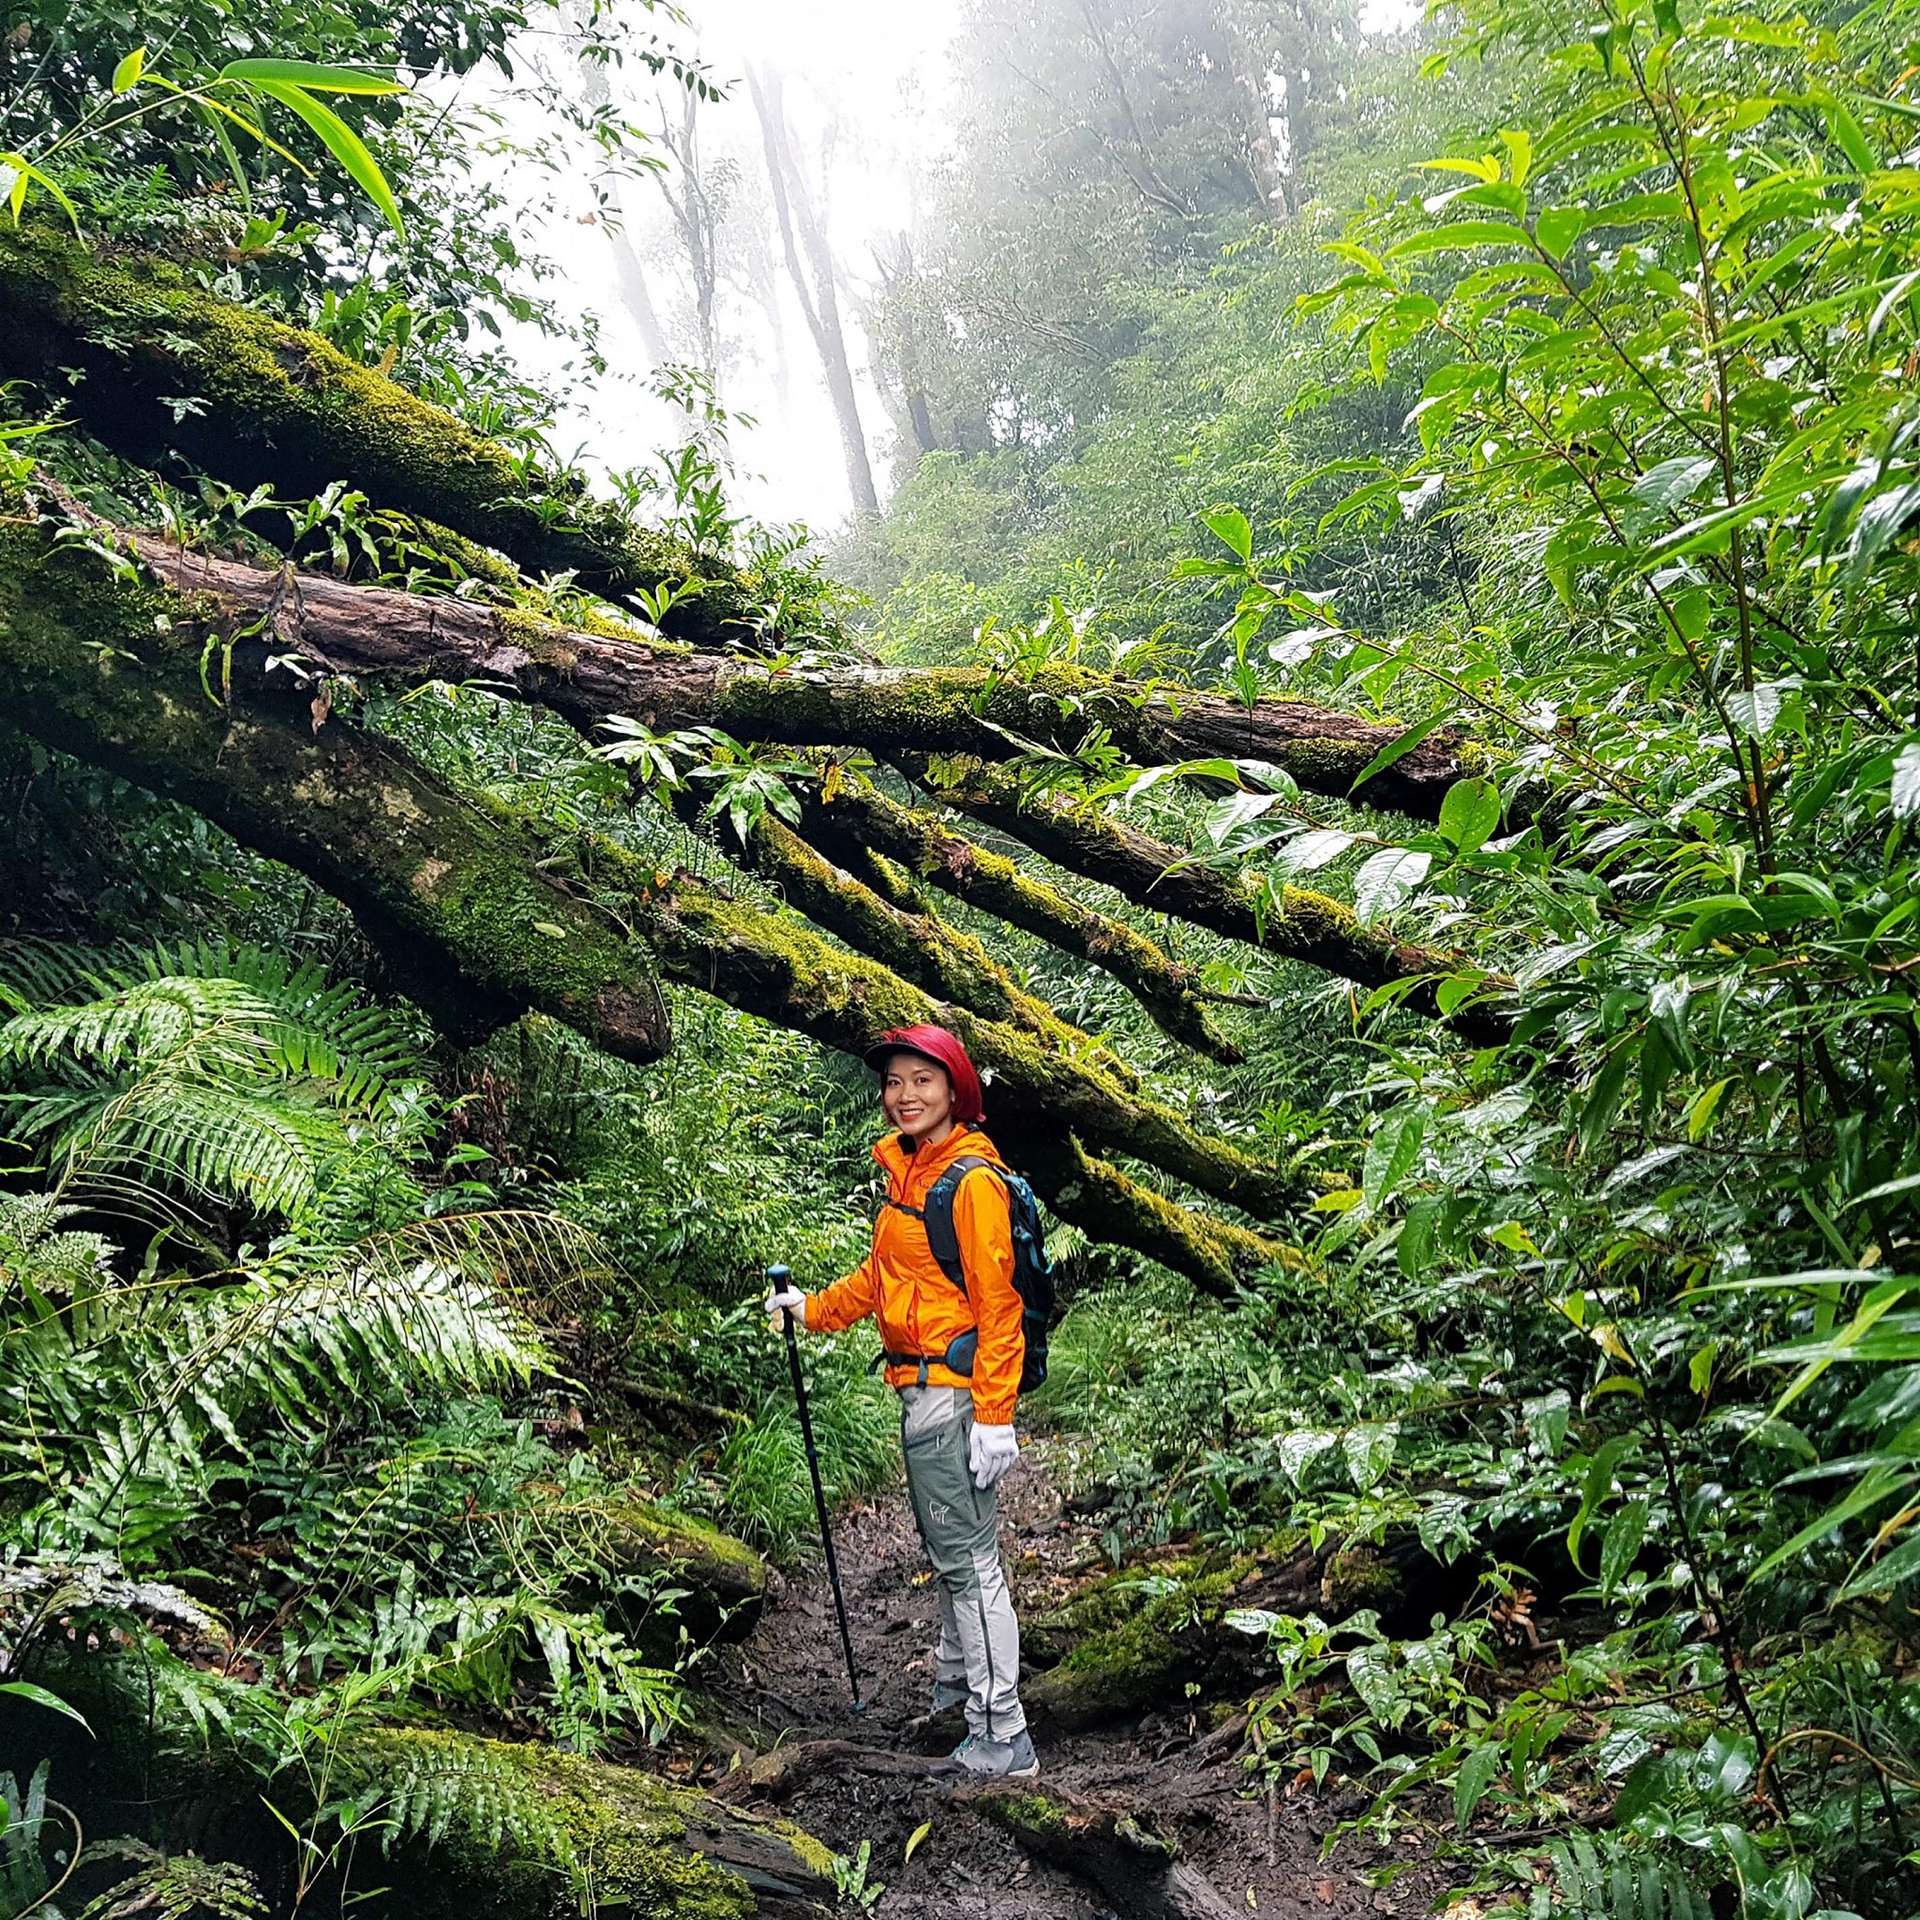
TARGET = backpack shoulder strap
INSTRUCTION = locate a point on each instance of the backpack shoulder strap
(942, 1239)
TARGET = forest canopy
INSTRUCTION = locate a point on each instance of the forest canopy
(1371, 676)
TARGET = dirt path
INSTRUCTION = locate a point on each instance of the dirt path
(787, 1683)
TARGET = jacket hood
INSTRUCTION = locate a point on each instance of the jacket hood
(944, 1050)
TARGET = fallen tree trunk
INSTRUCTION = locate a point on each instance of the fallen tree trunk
(458, 897)
(278, 405)
(116, 673)
(473, 1829)
(1139, 1871)
(588, 678)
(857, 821)
(920, 947)
(1114, 1847)
(1300, 925)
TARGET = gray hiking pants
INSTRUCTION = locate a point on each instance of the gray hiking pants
(979, 1646)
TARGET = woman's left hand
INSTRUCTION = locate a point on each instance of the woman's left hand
(992, 1451)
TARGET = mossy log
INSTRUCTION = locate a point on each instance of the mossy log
(125, 675)
(277, 404)
(782, 970)
(1301, 925)
(918, 946)
(724, 1579)
(852, 821)
(589, 677)
(1138, 1870)
(474, 1829)
(1133, 1640)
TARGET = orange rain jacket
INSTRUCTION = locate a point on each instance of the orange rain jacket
(919, 1309)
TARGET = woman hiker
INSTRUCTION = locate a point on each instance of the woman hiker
(956, 1428)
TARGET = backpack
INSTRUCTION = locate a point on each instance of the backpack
(1032, 1270)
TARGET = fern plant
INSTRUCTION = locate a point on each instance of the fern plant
(209, 1073)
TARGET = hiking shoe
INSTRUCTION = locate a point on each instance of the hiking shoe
(1012, 1759)
(947, 1696)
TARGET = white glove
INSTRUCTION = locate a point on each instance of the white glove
(992, 1452)
(782, 1300)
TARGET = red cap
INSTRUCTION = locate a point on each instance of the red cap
(944, 1050)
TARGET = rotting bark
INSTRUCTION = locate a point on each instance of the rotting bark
(588, 678)
(1302, 925)
(284, 406)
(111, 670)
(857, 819)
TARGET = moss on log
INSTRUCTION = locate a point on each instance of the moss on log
(1302, 925)
(856, 819)
(118, 673)
(588, 677)
(277, 404)
(918, 946)
(783, 971)
(726, 1581)
(473, 1828)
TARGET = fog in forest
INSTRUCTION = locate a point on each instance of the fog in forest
(904, 265)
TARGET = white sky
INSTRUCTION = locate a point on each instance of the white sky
(878, 64)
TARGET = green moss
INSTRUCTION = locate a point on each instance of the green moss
(1357, 1577)
(1030, 1813)
(285, 404)
(1152, 1640)
(111, 668)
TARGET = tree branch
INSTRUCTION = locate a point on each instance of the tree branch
(588, 678)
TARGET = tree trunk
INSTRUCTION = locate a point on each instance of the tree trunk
(860, 820)
(589, 677)
(1300, 924)
(793, 208)
(462, 900)
(117, 673)
(275, 405)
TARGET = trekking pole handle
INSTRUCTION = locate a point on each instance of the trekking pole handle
(777, 1278)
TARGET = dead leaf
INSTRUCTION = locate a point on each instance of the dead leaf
(914, 1838)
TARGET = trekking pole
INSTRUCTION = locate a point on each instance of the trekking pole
(779, 1276)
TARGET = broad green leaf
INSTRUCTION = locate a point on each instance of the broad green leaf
(1477, 1773)
(310, 74)
(1470, 813)
(1368, 1452)
(1903, 794)
(1557, 228)
(1459, 237)
(127, 74)
(1388, 880)
(1623, 1542)
(1307, 852)
(1398, 748)
(1674, 482)
(1231, 527)
(1392, 1151)
(343, 143)
(25, 173)
(41, 1697)
(1603, 1098)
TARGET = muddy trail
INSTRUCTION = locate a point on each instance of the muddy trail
(1162, 1797)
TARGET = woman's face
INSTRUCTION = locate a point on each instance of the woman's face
(917, 1097)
